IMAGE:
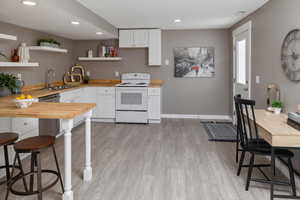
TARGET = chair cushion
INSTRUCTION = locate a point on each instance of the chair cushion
(34, 143)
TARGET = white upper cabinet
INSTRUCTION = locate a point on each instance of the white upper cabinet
(133, 38)
(154, 47)
(143, 38)
(126, 39)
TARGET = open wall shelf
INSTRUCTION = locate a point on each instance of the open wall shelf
(49, 49)
(7, 37)
(17, 64)
(100, 59)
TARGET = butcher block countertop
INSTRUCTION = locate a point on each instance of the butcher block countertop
(46, 110)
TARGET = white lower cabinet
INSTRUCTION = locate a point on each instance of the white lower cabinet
(106, 104)
(154, 105)
(25, 127)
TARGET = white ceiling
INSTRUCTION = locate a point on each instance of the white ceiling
(195, 14)
(55, 16)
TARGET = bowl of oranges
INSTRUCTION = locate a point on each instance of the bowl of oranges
(24, 101)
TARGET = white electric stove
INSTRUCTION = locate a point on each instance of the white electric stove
(132, 98)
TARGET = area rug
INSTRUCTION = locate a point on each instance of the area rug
(220, 131)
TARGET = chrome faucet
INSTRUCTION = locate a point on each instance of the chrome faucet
(50, 77)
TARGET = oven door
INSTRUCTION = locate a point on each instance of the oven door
(131, 99)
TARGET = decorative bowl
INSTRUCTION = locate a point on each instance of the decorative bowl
(24, 103)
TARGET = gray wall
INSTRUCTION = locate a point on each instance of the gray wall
(61, 62)
(202, 96)
(271, 24)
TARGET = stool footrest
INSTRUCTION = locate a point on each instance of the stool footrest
(20, 193)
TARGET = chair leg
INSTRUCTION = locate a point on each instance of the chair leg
(12, 174)
(237, 149)
(250, 171)
(292, 177)
(241, 163)
(39, 176)
(58, 170)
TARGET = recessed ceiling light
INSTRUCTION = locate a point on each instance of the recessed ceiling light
(75, 22)
(242, 12)
(29, 3)
(99, 33)
(177, 20)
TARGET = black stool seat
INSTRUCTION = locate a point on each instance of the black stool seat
(8, 138)
(33, 144)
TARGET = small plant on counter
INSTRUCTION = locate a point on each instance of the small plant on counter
(8, 82)
(277, 106)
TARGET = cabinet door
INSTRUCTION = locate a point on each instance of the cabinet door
(154, 47)
(154, 103)
(106, 103)
(126, 38)
(5, 124)
(141, 38)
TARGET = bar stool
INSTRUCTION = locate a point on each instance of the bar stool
(7, 139)
(34, 146)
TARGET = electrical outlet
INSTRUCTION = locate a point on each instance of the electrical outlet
(257, 79)
(88, 73)
(167, 62)
(19, 76)
(117, 74)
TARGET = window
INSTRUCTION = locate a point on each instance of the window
(241, 62)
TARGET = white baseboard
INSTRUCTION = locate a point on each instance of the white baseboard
(202, 117)
(103, 120)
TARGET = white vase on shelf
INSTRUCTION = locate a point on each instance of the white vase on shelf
(23, 53)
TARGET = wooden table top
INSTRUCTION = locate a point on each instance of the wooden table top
(46, 110)
(275, 130)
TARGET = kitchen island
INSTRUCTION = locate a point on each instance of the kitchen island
(66, 112)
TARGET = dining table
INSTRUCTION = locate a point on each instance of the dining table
(274, 129)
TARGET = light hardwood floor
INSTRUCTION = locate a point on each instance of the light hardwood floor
(169, 161)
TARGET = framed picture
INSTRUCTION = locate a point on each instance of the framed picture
(194, 62)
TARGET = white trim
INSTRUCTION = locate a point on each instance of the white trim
(243, 28)
(202, 117)
(106, 120)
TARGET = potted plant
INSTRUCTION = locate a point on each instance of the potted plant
(277, 106)
(86, 79)
(49, 43)
(8, 83)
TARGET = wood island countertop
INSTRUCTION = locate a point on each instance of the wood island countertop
(45, 110)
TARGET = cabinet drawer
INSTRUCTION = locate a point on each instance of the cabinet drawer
(154, 91)
(23, 125)
(106, 90)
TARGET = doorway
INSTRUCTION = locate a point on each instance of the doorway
(242, 61)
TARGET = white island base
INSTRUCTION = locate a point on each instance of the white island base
(67, 125)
